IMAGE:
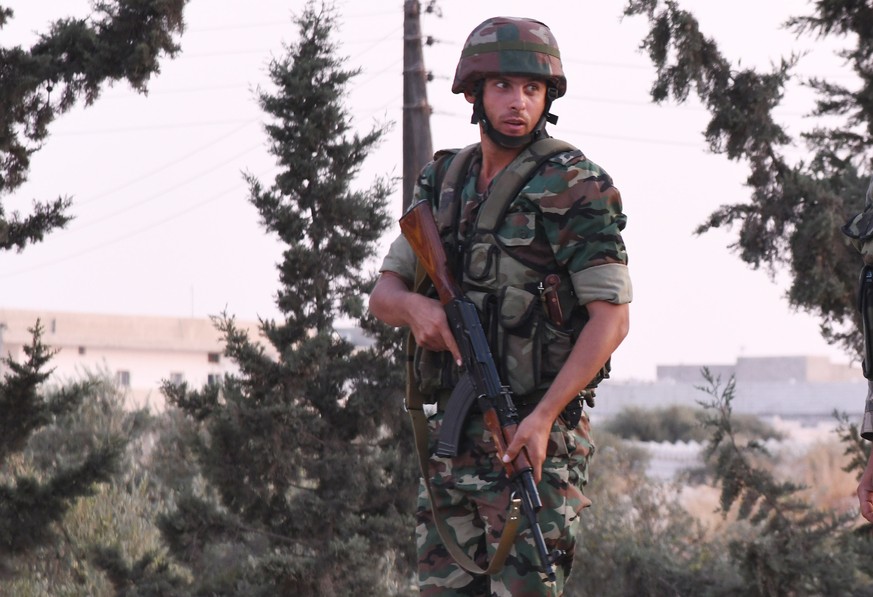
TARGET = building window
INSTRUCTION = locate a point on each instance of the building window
(213, 357)
(212, 379)
(123, 378)
(81, 350)
(177, 379)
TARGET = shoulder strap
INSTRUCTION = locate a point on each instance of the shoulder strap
(513, 178)
(449, 190)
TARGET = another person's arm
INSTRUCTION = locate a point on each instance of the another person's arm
(865, 490)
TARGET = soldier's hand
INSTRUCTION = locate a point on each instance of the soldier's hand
(532, 435)
(394, 303)
(430, 327)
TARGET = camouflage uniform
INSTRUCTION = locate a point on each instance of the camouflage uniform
(567, 219)
(472, 495)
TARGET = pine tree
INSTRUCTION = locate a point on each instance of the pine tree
(34, 496)
(797, 205)
(120, 40)
(305, 451)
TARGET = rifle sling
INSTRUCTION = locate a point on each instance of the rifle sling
(505, 187)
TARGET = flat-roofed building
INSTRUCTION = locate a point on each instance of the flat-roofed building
(139, 352)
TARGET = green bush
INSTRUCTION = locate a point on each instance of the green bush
(679, 424)
(636, 539)
(118, 515)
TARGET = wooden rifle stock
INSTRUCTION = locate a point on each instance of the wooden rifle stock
(419, 228)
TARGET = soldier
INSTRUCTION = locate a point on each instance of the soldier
(565, 220)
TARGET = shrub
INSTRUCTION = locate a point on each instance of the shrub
(679, 424)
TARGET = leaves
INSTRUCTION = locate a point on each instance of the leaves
(304, 450)
(122, 40)
(791, 218)
(791, 551)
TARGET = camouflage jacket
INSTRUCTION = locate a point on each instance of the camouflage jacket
(567, 219)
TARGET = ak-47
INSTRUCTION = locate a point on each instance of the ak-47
(480, 380)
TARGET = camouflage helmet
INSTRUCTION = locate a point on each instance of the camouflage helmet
(510, 46)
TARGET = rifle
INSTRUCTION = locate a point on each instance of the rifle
(480, 380)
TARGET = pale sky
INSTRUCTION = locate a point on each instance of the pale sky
(163, 224)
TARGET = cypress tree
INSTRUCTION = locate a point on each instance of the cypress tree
(36, 492)
(305, 452)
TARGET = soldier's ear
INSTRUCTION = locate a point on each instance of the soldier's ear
(470, 97)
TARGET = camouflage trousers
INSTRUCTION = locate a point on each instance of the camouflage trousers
(471, 494)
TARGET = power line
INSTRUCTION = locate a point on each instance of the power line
(126, 236)
(373, 76)
(166, 165)
(165, 191)
(284, 23)
(598, 135)
(154, 127)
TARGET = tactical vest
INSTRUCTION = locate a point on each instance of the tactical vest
(512, 291)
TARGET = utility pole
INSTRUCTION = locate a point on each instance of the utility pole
(417, 144)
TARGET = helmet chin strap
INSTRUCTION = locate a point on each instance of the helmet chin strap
(513, 141)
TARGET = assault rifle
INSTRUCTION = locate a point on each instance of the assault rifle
(480, 380)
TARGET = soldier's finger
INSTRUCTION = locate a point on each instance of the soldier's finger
(453, 347)
(511, 451)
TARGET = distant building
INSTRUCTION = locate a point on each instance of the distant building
(138, 352)
(800, 369)
(807, 388)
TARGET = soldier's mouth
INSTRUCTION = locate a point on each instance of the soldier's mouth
(515, 123)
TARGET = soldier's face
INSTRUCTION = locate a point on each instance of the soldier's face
(513, 104)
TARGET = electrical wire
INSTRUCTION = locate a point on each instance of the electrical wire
(126, 235)
(167, 165)
(164, 192)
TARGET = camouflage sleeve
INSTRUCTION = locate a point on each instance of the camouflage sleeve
(583, 220)
(400, 259)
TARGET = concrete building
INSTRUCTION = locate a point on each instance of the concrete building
(138, 352)
(805, 388)
(800, 369)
